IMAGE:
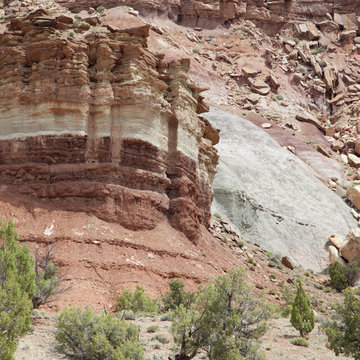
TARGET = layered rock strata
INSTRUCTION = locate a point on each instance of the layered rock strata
(98, 123)
(209, 13)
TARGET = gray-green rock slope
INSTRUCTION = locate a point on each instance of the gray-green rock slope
(273, 198)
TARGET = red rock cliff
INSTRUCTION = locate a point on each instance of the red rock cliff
(101, 124)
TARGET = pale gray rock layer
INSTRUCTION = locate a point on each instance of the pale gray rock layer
(273, 198)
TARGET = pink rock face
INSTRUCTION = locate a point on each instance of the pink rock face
(102, 125)
(210, 13)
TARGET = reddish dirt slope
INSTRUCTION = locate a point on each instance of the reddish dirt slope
(100, 259)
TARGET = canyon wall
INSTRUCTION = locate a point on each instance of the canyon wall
(210, 13)
(98, 123)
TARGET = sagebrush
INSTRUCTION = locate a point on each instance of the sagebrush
(82, 334)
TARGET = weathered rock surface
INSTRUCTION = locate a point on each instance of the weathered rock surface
(209, 13)
(271, 197)
(100, 124)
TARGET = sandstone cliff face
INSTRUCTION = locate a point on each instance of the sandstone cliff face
(100, 124)
(210, 13)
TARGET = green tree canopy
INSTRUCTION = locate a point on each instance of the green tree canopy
(343, 331)
(176, 296)
(17, 282)
(302, 314)
(138, 301)
(225, 321)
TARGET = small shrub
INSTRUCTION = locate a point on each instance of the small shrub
(251, 260)
(224, 240)
(196, 51)
(300, 341)
(81, 22)
(276, 260)
(152, 329)
(272, 292)
(71, 33)
(240, 244)
(279, 97)
(100, 9)
(48, 280)
(269, 254)
(157, 346)
(138, 301)
(217, 215)
(318, 286)
(319, 50)
(85, 335)
(161, 338)
(128, 315)
(275, 310)
(288, 295)
(165, 317)
(272, 276)
(343, 276)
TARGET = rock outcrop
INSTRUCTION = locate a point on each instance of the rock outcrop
(271, 197)
(209, 13)
(98, 123)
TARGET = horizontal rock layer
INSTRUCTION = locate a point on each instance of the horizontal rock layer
(209, 13)
(102, 125)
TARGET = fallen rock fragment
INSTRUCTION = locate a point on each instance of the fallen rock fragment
(337, 145)
(322, 150)
(353, 194)
(273, 81)
(354, 160)
(336, 240)
(334, 256)
(253, 98)
(347, 37)
(266, 125)
(329, 77)
(286, 262)
(351, 249)
(260, 87)
(249, 72)
(357, 146)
